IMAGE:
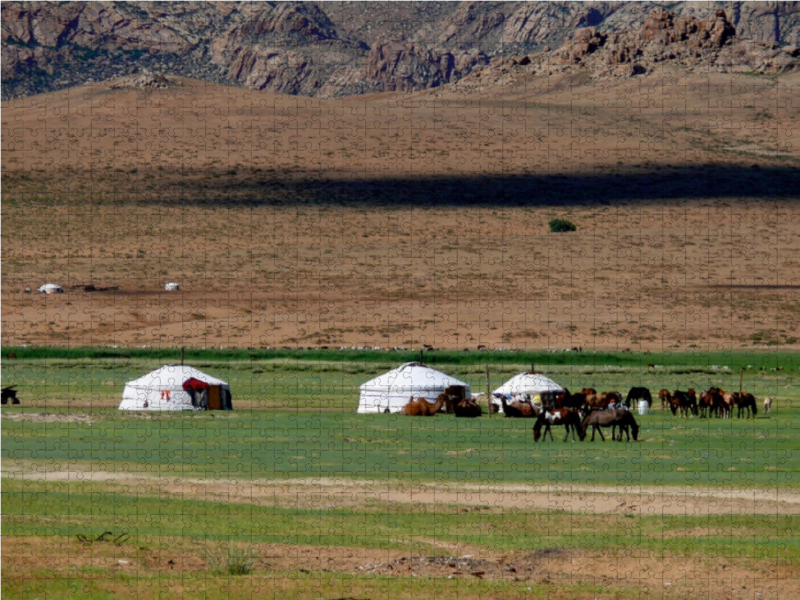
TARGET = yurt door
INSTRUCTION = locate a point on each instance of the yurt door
(214, 397)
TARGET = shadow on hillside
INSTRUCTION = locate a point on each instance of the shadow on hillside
(688, 183)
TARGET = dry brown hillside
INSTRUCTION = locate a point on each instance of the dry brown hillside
(397, 220)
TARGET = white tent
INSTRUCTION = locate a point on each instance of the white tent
(390, 392)
(528, 383)
(163, 389)
(50, 288)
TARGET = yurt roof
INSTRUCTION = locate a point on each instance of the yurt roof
(412, 377)
(173, 376)
(528, 383)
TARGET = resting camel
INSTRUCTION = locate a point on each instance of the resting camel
(423, 408)
(611, 418)
(519, 410)
(569, 418)
(467, 408)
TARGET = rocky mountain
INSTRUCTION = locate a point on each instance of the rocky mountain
(344, 48)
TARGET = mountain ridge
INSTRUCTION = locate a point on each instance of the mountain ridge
(343, 48)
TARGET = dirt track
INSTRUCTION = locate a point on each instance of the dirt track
(321, 493)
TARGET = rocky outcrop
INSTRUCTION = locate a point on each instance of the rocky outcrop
(341, 48)
(663, 39)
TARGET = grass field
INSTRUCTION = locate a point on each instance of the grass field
(340, 505)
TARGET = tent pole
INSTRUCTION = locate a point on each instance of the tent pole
(488, 393)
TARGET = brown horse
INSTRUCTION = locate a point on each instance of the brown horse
(746, 402)
(423, 408)
(602, 401)
(666, 399)
(711, 402)
(686, 402)
(569, 418)
(623, 419)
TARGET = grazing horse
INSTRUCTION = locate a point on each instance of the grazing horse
(518, 409)
(569, 418)
(666, 399)
(423, 408)
(767, 405)
(588, 391)
(746, 402)
(611, 418)
(639, 393)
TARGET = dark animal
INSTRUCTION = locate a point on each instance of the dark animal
(519, 410)
(569, 418)
(9, 393)
(611, 418)
(746, 402)
(685, 402)
(588, 391)
(467, 408)
(665, 398)
(11, 355)
(710, 402)
(639, 393)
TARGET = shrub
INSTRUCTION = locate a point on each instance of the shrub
(559, 225)
(231, 559)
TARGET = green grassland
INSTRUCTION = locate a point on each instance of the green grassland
(295, 420)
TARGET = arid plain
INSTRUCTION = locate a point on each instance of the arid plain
(402, 220)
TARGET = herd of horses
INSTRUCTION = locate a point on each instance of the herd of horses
(588, 409)
(714, 402)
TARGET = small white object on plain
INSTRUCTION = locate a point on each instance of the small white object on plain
(50, 288)
(172, 287)
(643, 407)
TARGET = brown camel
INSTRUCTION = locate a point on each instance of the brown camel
(423, 408)
(467, 408)
(519, 410)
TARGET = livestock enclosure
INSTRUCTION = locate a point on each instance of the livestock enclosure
(334, 504)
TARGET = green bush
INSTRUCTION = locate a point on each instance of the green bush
(231, 560)
(559, 225)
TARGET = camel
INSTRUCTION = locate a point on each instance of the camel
(467, 408)
(519, 410)
(423, 408)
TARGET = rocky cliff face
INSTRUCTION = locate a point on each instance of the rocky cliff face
(343, 48)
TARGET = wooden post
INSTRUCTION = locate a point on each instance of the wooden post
(182, 349)
(741, 376)
(533, 368)
(421, 350)
(488, 393)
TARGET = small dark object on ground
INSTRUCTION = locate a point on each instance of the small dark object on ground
(561, 225)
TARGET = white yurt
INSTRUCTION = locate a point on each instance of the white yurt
(527, 383)
(390, 392)
(176, 387)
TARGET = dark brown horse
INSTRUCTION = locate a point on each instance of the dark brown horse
(666, 399)
(685, 402)
(745, 402)
(639, 393)
(623, 419)
(569, 418)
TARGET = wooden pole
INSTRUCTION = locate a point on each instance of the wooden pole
(422, 362)
(182, 349)
(741, 375)
(488, 393)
